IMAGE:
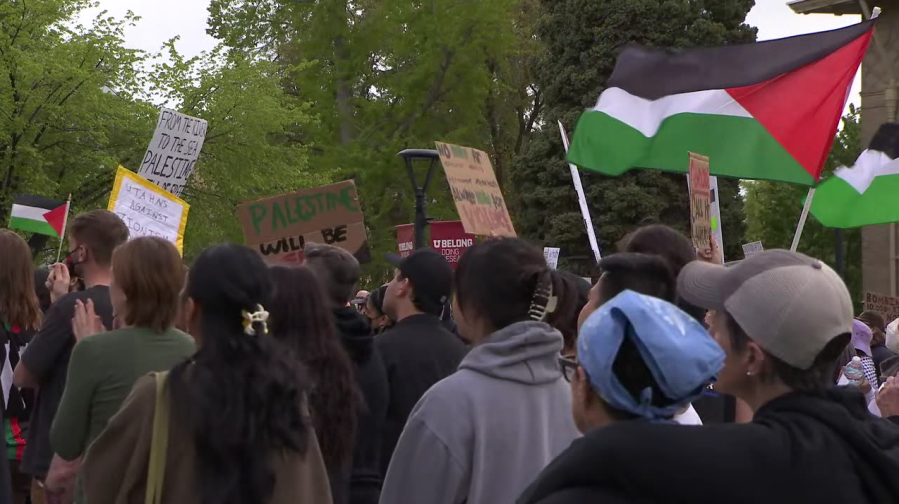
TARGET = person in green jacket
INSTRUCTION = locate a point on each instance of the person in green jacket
(147, 276)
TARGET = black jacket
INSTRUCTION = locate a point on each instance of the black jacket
(418, 352)
(821, 448)
(365, 477)
(880, 354)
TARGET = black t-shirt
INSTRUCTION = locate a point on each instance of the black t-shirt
(47, 358)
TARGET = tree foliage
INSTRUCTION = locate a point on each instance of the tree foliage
(75, 103)
(582, 39)
(773, 210)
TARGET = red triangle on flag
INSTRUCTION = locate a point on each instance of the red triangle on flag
(802, 109)
(57, 218)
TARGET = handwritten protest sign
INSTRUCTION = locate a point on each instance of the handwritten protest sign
(174, 150)
(478, 198)
(753, 248)
(148, 210)
(552, 256)
(700, 202)
(888, 306)
(279, 227)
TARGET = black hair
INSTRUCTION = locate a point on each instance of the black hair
(886, 140)
(675, 248)
(572, 295)
(645, 274)
(241, 397)
(301, 321)
(635, 376)
(498, 279)
(377, 299)
(814, 379)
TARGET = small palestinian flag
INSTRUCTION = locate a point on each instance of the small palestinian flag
(767, 110)
(866, 193)
(37, 214)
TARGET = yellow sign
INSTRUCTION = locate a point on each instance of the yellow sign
(147, 209)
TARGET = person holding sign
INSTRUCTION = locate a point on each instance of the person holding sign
(92, 238)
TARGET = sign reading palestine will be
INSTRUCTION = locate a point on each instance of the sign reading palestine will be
(279, 227)
(478, 197)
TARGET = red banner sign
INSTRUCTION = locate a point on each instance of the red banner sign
(448, 238)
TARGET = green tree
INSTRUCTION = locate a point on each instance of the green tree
(388, 75)
(581, 40)
(773, 210)
(75, 103)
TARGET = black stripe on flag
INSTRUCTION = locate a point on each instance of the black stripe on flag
(654, 73)
(38, 202)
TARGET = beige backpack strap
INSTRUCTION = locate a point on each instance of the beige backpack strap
(159, 444)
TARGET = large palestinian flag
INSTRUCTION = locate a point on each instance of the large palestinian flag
(37, 214)
(767, 110)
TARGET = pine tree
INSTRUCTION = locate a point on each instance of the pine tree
(581, 42)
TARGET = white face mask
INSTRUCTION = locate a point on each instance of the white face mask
(892, 336)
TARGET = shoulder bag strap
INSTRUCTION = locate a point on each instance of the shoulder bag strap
(159, 444)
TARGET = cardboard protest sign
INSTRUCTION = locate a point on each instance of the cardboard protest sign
(148, 210)
(451, 240)
(279, 227)
(173, 151)
(478, 198)
(552, 256)
(405, 239)
(888, 306)
(700, 202)
(753, 248)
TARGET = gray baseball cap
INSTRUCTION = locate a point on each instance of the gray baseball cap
(790, 304)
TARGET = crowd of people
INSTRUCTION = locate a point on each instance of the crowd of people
(130, 378)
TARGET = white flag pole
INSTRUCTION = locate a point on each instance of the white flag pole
(802, 218)
(581, 198)
(65, 223)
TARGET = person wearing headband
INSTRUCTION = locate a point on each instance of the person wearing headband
(481, 435)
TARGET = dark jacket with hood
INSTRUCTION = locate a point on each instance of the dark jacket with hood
(358, 340)
(821, 448)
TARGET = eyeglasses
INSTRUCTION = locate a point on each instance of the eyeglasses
(569, 368)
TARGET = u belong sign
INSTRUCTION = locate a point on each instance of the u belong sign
(279, 227)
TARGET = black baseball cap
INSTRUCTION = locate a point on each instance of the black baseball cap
(430, 274)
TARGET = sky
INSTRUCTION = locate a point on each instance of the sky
(158, 24)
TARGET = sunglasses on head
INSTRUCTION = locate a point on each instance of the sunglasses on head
(569, 368)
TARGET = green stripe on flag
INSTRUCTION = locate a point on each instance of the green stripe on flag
(837, 204)
(607, 145)
(32, 226)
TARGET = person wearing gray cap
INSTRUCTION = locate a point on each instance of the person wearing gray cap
(782, 319)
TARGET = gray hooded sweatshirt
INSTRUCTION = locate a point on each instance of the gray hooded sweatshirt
(483, 434)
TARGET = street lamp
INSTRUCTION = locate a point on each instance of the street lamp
(421, 219)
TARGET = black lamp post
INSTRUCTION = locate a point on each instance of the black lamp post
(421, 219)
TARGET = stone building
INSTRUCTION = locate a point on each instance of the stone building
(880, 77)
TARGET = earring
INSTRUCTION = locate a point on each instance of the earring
(748, 373)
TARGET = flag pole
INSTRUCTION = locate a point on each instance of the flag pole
(581, 198)
(802, 218)
(65, 223)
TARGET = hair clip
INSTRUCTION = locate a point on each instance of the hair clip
(260, 315)
(543, 302)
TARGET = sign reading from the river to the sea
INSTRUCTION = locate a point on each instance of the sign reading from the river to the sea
(174, 150)
(279, 227)
(146, 209)
(478, 197)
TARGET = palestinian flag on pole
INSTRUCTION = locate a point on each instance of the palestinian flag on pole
(866, 193)
(767, 110)
(37, 214)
